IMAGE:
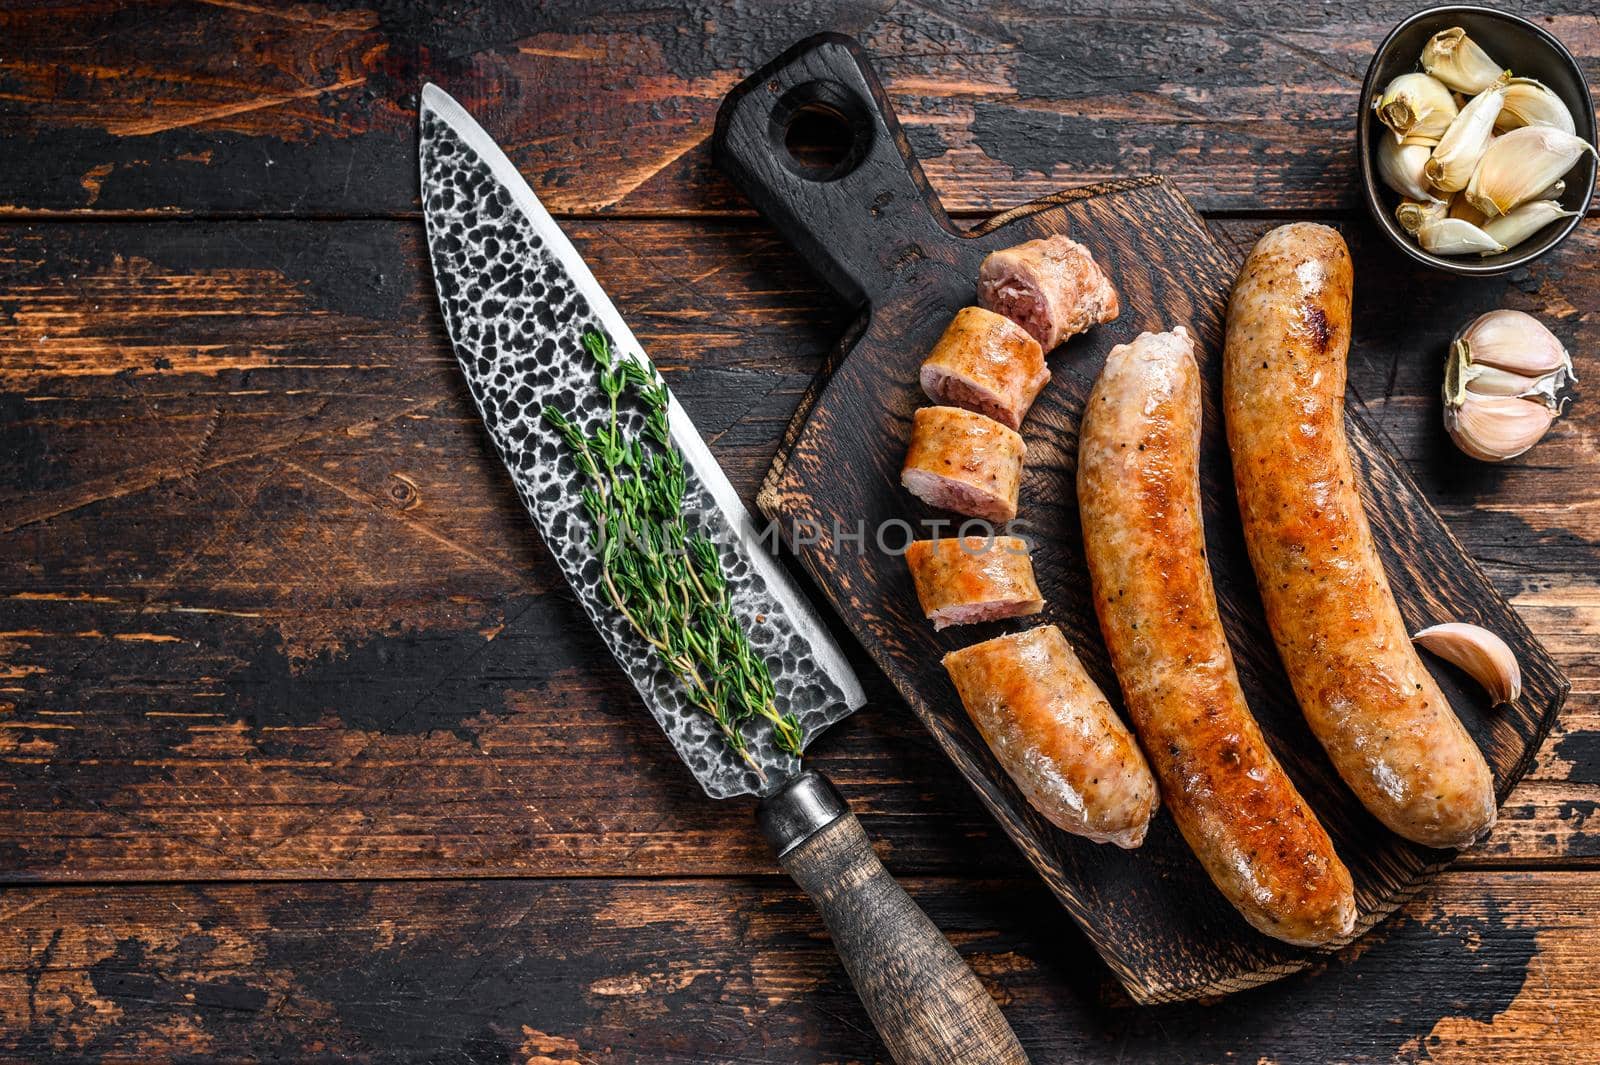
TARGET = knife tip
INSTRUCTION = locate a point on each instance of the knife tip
(433, 96)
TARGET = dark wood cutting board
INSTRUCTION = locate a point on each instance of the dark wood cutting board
(872, 228)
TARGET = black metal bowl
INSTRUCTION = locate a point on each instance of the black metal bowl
(1529, 52)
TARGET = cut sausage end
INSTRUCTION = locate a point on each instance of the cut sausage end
(1052, 287)
(1052, 730)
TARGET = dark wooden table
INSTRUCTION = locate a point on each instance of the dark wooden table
(306, 752)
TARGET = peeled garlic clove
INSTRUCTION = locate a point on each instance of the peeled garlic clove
(1455, 59)
(1456, 236)
(1465, 142)
(1480, 653)
(1533, 103)
(1515, 341)
(1523, 222)
(1416, 105)
(1521, 164)
(1400, 167)
(1414, 214)
(1496, 428)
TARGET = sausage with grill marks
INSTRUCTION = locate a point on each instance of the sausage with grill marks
(1385, 724)
(1139, 497)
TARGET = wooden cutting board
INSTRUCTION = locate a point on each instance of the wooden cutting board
(874, 230)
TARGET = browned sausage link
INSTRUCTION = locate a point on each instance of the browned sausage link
(1139, 494)
(1051, 728)
(1387, 727)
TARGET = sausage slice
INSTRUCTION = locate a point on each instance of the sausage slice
(1052, 730)
(987, 363)
(1367, 696)
(973, 578)
(1052, 287)
(1139, 497)
(964, 462)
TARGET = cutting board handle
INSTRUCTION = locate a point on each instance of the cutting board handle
(859, 220)
(925, 1002)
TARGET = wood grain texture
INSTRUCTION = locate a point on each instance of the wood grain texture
(310, 109)
(1487, 966)
(876, 234)
(925, 1003)
(270, 611)
(246, 733)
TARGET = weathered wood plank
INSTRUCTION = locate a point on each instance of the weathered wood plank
(269, 608)
(1484, 967)
(182, 105)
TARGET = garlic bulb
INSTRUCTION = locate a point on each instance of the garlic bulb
(1521, 164)
(1400, 166)
(1414, 214)
(1456, 236)
(1480, 653)
(1523, 222)
(1465, 142)
(1501, 384)
(1532, 103)
(1455, 59)
(1416, 106)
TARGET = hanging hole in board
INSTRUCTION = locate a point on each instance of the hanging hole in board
(820, 130)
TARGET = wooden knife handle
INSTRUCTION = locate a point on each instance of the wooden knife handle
(860, 222)
(926, 1003)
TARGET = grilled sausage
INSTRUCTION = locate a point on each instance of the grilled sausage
(1053, 288)
(1139, 495)
(1367, 696)
(973, 578)
(987, 363)
(964, 462)
(1052, 730)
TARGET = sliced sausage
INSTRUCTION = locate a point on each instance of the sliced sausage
(1052, 730)
(964, 462)
(1386, 725)
(1139, 496)
(987, 363)
(973, 578)
(1052, 287)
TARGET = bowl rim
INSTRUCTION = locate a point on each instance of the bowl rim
(1371, 183)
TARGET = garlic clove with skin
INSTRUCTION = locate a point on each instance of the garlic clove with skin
(1478, 652)
(1520, 165)
(1496, 428)
(1457, 60)
(1416, 106)
(1513, 340)
(1456, 236)
(1523, 222)
(1533, 103)
(1456, 155)
(1460, 208)
(1414, 214)
(1400, 167)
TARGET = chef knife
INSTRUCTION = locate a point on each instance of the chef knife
(517, 300)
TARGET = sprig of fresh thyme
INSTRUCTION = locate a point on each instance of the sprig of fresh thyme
(667, 581)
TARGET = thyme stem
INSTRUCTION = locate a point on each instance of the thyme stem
(667, 582)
